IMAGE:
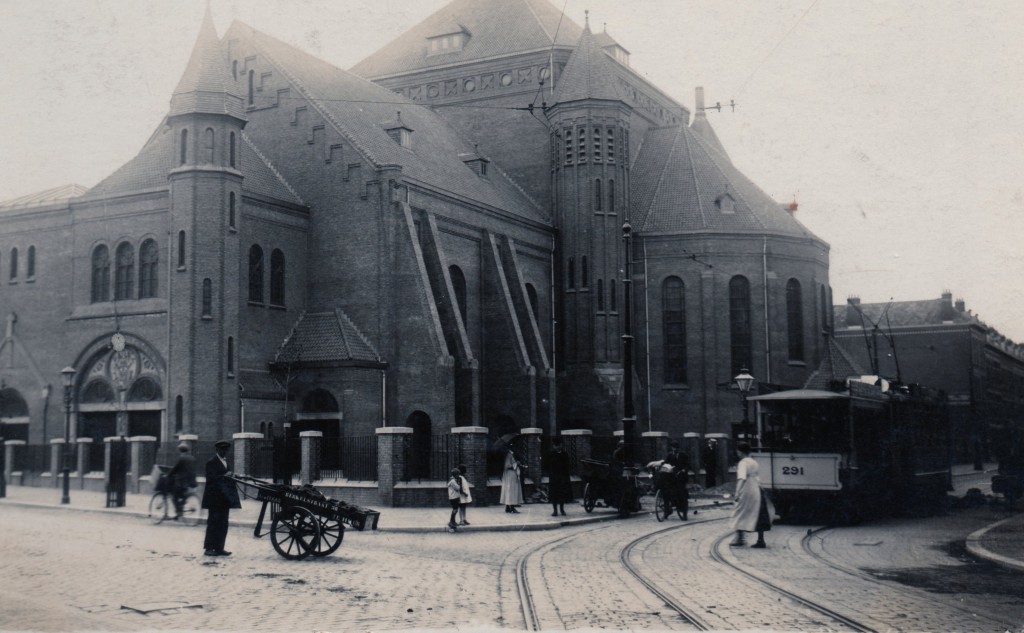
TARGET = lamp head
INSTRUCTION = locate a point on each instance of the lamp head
(744, 380)
(67, 376)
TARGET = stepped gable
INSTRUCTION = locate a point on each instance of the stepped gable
(836, 366)
(491, 28)
(205, 86)
(48, 196)
(361, 110)
(677, 178)
(589, 74)
(326, 337)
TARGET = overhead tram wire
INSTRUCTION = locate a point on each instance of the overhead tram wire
(775, 48)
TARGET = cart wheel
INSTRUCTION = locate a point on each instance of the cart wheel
(661, 508)
(331, 534)
(158, 508)
(589, 498)
(295, 533)
(190, 510)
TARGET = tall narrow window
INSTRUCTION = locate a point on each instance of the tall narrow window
(597, 195)
(184, 147)
(181, 250)
(234, 69)
(149, 257)
(209, 145)
(673, 319)
(531, 294)
(13, 269)
(584, 276)
(277, 278)
(613, 298)
(459, 287)
(231, 209)
(30, 265)
(795, 319)
(179, 413)
(256, 274)
(600, 295)
(572, 272)
(207, 297)
(124, 273)
(231, 356)
(611, 196)
(100, 274)
(825, 308)
(739, 324)
(252, 82)
(231, 149)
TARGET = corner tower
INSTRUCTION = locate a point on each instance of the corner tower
(206, 120)
(590, 190)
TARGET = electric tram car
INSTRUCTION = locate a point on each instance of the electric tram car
(866, 451)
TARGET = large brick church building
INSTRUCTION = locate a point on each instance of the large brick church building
(433, 238)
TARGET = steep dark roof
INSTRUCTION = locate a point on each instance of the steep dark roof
(49, 196)
(326, 337)
(836, 366)
(702, 128)
(902, 313)
(204, 87)
(677, 178)
(361, 110)
(589, 74)
(494, 27)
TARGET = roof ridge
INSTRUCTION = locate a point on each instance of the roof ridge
(341, 314)
(340, 321)
(288, 337)
(661, 178)
(270, 166)
(311, 99)
(696, 180)
(529, 7)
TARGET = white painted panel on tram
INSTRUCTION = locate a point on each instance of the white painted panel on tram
(799, 471)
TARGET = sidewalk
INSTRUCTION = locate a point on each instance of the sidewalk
(493, 518)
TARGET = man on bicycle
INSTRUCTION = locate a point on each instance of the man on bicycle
(182, 477)
(676, 482)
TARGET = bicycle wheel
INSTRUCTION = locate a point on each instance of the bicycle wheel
(661, 507)
(158, 508)
(589, 498)
(190, 509)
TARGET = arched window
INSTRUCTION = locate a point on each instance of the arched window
(231, 209)
(181, 250)
(209, 145)
(531, 294)
(739, 324)
(184, 147)
(611, 196)
(234, 69)
(231, 356)
(597, 195)
(584, 280)
(613, 296)
(124, 273)
(256, 274)
(572, 272)
(795, 319)
(231, 149)
(179, 414)
(459, 287)
(673, 320)
(277, 278)
(100, 274)
(14, 264)
(252, 82)
(600, 295)
(149, 257)
(207, 297)
(30, 265)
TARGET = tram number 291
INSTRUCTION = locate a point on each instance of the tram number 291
(792, 470)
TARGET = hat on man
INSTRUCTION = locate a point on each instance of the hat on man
(222, 444)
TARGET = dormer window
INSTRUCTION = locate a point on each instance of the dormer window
(475, 162)
(399, 132)
(618, 53)
(447, 43)
(726, 203)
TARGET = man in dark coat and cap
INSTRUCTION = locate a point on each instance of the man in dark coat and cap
(219, 497)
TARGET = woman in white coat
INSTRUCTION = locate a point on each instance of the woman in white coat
(511, 488)
(753, 509)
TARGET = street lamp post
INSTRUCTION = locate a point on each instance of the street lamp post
(744, 381)
(68, 377)
(628, 415)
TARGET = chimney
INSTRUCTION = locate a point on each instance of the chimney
(960, 305)
(698, 101)
(853, 318)
(947, 306)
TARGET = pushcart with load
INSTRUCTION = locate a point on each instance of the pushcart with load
(618, 490)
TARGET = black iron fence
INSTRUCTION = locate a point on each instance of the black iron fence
(359, 458)
(445, 453)
(32, 458)
(95, 457)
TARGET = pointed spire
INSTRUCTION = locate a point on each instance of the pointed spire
(590, 73)
(205, 86)
(701, 126)
(586, 20)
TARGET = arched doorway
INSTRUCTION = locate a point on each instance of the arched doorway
(13, 415)
(419, 458)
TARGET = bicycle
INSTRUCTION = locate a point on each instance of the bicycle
(162, 508)
(669, 493)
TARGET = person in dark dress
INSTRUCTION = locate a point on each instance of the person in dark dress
(679, 478)
(710, 458)
(182, 476)
(219, 497)
(559, 477)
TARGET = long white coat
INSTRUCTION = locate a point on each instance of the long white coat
(748, 496)
(511, 489)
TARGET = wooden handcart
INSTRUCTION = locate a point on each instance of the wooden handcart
(303, 521)
(618, 490)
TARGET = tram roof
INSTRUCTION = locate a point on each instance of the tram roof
(803, 394)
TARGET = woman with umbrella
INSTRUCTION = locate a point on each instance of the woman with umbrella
(511, 487)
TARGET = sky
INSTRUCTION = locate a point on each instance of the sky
(897, 126)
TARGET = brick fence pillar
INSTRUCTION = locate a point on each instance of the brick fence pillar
(11, 449)
(143, 457)
(655, 446)
(190, 439)
(580, 441)
(311, 441)
(245, 447)
(82, 446)
(391, 465)
(474, 456)
(531, 440)
(57, 460)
